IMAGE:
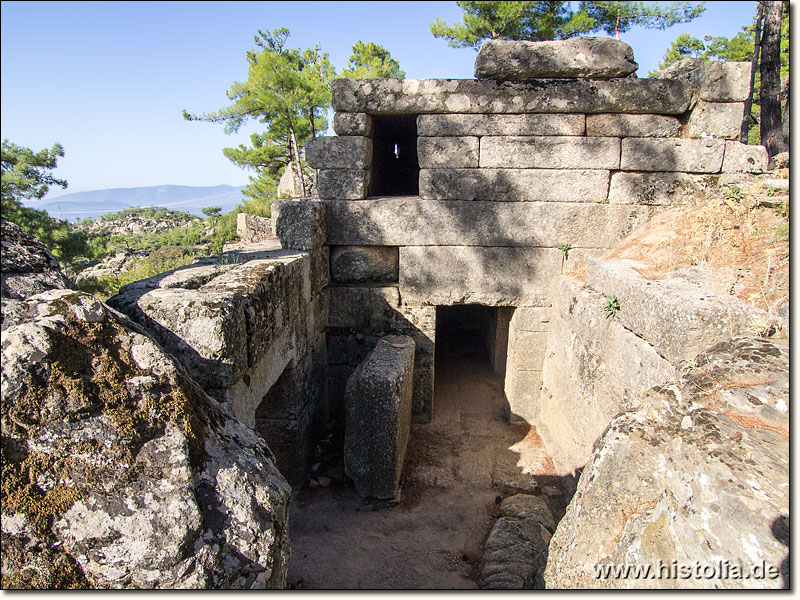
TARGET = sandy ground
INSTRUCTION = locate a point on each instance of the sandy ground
(457, 469)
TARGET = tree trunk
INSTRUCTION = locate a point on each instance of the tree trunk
(786, 115)
(771, 131)
(748, 105)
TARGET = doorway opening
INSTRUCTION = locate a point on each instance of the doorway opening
(395, 166)
(473, 331)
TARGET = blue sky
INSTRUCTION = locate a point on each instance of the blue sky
(108, 80)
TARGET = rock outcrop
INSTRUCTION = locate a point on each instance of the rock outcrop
(26, 268)
(691, 490)
(119, 471)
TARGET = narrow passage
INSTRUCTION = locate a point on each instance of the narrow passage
(456, 468)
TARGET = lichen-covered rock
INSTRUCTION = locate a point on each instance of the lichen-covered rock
(26, 268)
(594, 57)
(691, 490)
(119, 471)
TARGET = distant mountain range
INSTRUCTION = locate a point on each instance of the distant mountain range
(192, 199)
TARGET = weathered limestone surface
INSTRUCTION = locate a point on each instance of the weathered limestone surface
(742, 158)
(594, 57)
(378, 418)
(516, 540)
(455, 152)
(352, 124)
(252, 228)
(617, 125)
(301, 224)
(417, 96)
(119, 472)
(411, 221)
(344, 152)
(659, 188)
(446, 275)
(716, 119)
(690, 478)
(593, 369)
(713, 81)
(465, 124)
(550, 152)
(672, 154)
(343, 184)
(527, 342)
(678, 316)
(26, 268)
(364, 264)
(514, 185)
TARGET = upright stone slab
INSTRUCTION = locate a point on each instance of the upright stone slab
(378, 418)
(252, 228)
(594, 57)
(301, 224)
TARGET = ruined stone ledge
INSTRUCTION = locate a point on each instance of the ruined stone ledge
(678, 317)
(448, 275)
(716, 119)
(532, 124)
(419, 96)
(515, 185)
(514, 60)
(672, 154)
(252, 228)
(621, 125)
(550, 152)
(713, 81)
(300, 224)
(412, 221)
(659, 189)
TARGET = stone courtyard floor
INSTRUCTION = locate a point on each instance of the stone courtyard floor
(458, 468)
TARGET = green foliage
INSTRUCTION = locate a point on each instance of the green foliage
(548, 20)
(28, 175)
(610, 306)
(616, 17)
(371, 60)
(734, 192)
(286, 89)
(565, 248)
(155, 263)
(211, 211)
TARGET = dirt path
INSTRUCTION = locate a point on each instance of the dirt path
(457, 469)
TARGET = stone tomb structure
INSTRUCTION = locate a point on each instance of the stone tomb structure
(435, 195)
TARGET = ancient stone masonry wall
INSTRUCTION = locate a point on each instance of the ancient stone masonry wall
(249, 327)
(546, 148)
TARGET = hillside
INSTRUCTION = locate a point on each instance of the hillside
(92, 204)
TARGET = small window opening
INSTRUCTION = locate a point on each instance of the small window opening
(395, 167)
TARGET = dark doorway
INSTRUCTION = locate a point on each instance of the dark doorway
(473, 331)
(395, 167)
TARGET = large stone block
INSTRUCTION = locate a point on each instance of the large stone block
(594, 57)
(513, 185)
(523, 391)
(672, 154)
(378, 418)
(345, 152)
(593, 369)
(550, 152)
(465, 124)
(417, 222)
(713, 81)
(527, 350)
(455, 152)
(716, 119)
(352, 124)
(419, 96)
(206, 332)
(252, 228)
(678, 316)
(343, 184)
(301, 224)
(364, 264)
(659, 188)
(529, 318)
(447, 275)
(632, 125)
(741, 158)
